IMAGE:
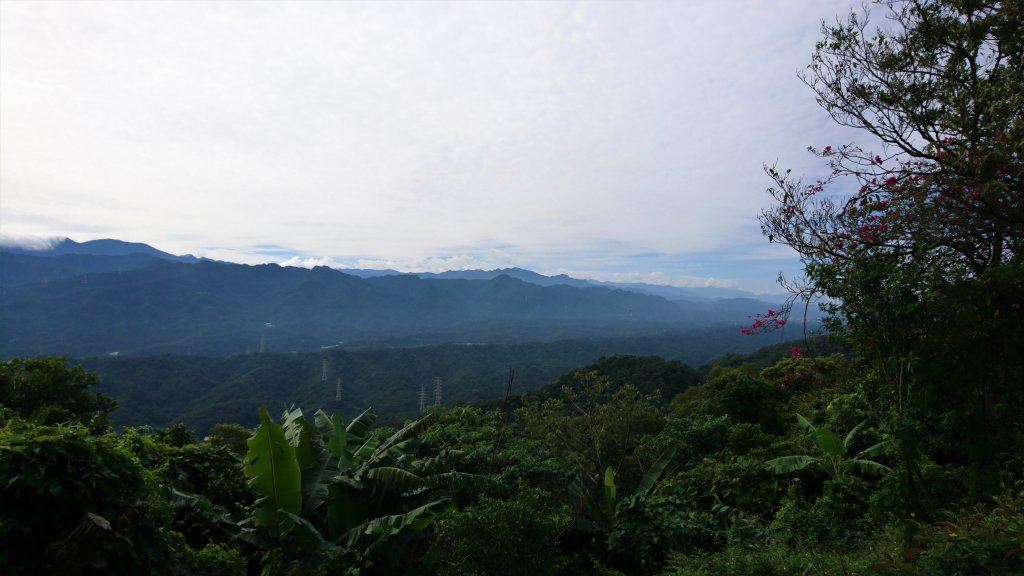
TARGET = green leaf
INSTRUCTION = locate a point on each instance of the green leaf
(274, 471)
(610, 489)
(787, 464)
(849, 435)
(882, 447)
(364, 452)
(305, 441)
(869, 466)
(337, 441)
(360, 426)
(390, 526)
(806, 424)
(829, 443)
(346, 509)
(300, 531)
(652, 475)
(408, 431)
(390, 479)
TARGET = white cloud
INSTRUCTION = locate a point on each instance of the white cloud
(655, 278)
(411, 134)
(29, 242)
(299, 262)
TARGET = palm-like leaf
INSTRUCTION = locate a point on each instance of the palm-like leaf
(390, 479)
(274, 470)
(787, 464)
(652, 475)
(397, 439)
(869, 466)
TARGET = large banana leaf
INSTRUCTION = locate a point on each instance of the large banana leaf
(359, 427)
(346, 508)
(610, 489)
(456, 481)
(365, 452)
(655, 472)
(788, 464)
(375, 534)
(829, 443)
(274, 471)
(337, 442)
(394, 480)
(869, 466)
(398, 439)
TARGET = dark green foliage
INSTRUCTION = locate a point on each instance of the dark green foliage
(837, 520)
(769, 354)
(593, 427)
(738, 561)
(202, 392)
(985, 540)
(230, 436)
(694, 510)
(740, 394)
(333, 491)
(48, 391)
(647, 374)
(54, 475)
(217, 560)
(519, 536)
(176, 435)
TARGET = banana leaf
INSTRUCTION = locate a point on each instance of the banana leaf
(272, 466)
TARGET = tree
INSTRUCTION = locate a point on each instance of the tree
(48, 391)
(918, 246)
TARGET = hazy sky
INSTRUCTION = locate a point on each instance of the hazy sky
(617, 140)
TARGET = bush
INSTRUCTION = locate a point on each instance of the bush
(985, 540)
(517, 536)
(837, 520)
(53, 476)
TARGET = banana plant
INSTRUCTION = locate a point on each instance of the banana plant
(599, 505)
(833, 454)
(327, 483)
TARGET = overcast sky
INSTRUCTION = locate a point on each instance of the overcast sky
(615, 140)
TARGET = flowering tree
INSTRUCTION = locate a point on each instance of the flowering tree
(918, 243)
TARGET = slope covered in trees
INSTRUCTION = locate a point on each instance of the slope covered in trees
(91, 306)
(161, 390)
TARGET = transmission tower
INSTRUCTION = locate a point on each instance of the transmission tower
(423, 397)
(437, 391)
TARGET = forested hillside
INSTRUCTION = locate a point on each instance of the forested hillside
(203, 391)
(133, 305)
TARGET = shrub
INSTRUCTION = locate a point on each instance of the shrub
(53, 476)
(517, 536)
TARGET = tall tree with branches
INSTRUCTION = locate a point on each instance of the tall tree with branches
(917, 243)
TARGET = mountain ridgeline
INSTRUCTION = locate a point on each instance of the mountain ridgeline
(133, 300)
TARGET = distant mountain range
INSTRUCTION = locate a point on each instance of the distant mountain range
(669, 292)
(111, 297)
(106, 247)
